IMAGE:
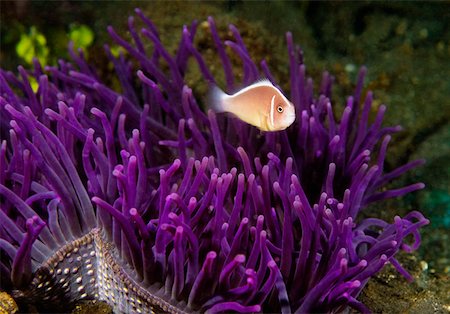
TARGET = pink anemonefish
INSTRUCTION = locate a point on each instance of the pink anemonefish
(260, 104)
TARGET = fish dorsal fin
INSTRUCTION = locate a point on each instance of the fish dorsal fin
(258, 83)
(262, 82)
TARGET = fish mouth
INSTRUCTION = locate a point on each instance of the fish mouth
(291, 118)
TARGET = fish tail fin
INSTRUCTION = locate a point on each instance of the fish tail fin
(216, 99)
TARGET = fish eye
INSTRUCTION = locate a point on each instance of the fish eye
(280, 109)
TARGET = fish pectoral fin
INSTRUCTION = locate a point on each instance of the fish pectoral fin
(264, 122)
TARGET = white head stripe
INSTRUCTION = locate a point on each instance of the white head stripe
(272, 111)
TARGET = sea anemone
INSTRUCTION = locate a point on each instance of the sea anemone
(142, 198)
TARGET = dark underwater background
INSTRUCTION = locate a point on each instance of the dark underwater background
(405, 46)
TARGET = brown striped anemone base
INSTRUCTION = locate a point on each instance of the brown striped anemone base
(88, 268)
